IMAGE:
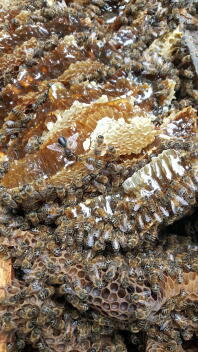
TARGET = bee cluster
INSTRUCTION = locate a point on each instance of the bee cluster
(99, 177)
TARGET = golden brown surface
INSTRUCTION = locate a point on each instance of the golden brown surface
(99, 175)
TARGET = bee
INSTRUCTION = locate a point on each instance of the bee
(7, 322)
(79, 237)
(81, 306)
(102, 179)
(20, 344)
(132, 241)
(136, 298)
(8, 200)
(90, 161)
(94, 276)
(46, 292)
(154, 282)
(180, 276)
(33, 218)
(61, 192)
(172, 346)
(70, 241)
(35, 335)
(26, 263)
(187, 334)
(32, 144)
(100, 212)
(140, 314)
(99, 186)
(84, 331)
(41, 346)
(95, 347)
(99, 245)
(80, 292)
(4, 251)
(134, 328)
(98, 164)
(111, 272)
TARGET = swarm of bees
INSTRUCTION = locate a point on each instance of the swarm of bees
(99, 176)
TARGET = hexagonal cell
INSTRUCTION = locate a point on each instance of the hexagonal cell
(73, 271)
(83, 283)
(138, 289)
(130, 289)
(130, 308)
(88, 288)
(90, 299)
(62, 261)
(97, 301)
(121, 293)
(113, 297)
(106, 306)
(114, 314)
(96, 292)
(115, 306)
(105, 293)
(114, 287)
(79, 266)
(81, 274)
(123, 316)
(123, 306)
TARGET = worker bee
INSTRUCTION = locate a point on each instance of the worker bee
(79, 237)
(61, 192)
(132, 241)
(32, 144)
(46, 292)
(35, 335)
(134, 328)
(8, 200)
(81, 306)
(140, 314)
(98, 164)
(4, 251)
(111, 272)
(136, 298)
(33, 218)
(180, 276)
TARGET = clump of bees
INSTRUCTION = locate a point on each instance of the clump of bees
(102, 242)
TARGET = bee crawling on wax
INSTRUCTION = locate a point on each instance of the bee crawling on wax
(62, 141)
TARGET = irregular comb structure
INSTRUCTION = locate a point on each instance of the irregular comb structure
(99, 176)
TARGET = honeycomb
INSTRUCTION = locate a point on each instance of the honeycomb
(98, 154)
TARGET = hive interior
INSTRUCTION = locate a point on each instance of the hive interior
(84, 222)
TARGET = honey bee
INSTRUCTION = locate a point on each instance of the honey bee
(20, 344)
(132, 241)
(135, 328)
(98, 164)
(32, 144)
(136, 298)
(111, 272)
(70, 241)
(140, 314)
(7, 322)
(81, 306)
(33, 218)
(102, 179)
(61, 192)
(84, 331)
(46, 292)
(4, 251)
(180, 276)
(35, 335)
(99, 245)
(8, 200)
